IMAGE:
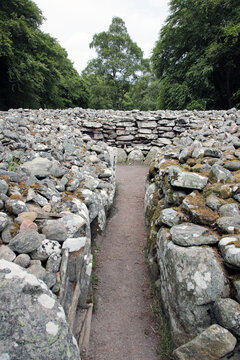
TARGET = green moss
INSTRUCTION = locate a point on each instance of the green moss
(220, 190)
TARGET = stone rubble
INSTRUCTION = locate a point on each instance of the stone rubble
(192, 213)
(57, 184)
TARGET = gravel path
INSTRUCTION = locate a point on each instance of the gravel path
(122, 326)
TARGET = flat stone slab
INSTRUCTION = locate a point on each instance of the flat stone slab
(188, 234)
(186, 179)
(211, 344)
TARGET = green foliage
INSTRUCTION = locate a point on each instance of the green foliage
(118, 67)
(34, 69)
(197, 55)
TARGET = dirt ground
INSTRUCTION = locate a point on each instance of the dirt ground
(122, 326)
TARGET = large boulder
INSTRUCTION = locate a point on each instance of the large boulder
(32, 323)
(211, 344)
(191, 279)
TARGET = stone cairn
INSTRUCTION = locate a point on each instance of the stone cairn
(57, 184)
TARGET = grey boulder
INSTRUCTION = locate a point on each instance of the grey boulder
(32, 322)
(26, 241)
(212, 344)
(227, 314)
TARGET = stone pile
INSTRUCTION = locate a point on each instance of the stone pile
(135, 133)
(56, 188)
(192, 211)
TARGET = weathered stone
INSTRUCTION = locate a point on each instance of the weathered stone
(195, 205)
(121, 156)
(211, 344)
(23, 260)
(232, 165)
(39, 167)
(230, 250)
(28, 225)
(213, 202)
(30, 215)
(186, 179)
(227, 314)
(6, 253)
(188, 234)
(26, 241)
(15, 206)
(229, 210)
(33, 324)
(228, 224)
(220, 174)
(4, 220)
(215, 153)
(191, 279)
(53, 262)
(55, 231)
(170, 217)
(74, 224)
(47, 248)
(37, 270)
(3, 187)
(135, 156)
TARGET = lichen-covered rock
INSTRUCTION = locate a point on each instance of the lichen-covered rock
(16, 206)
(188, 234)
(32, 323)
(229, 210)
(227, 314)
(229, 224)
(191, 278)
(171, 217)
(230, 250)
(186, 179)
(211, 344)
(26, 241)
(47, 248)
(194, 204)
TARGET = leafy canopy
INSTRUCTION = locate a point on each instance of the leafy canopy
(119, 64)
(34, 69)
(197, 55)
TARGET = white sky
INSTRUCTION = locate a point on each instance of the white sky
(74, 22)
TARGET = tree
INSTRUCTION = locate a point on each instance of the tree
(197, 55)
(118, 65)
(34, 69)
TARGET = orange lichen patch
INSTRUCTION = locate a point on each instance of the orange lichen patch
(16, 197)
(5, 178)
(199, 212)
(223, 191)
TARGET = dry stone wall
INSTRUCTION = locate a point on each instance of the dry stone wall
(137, 132)
(192, 213)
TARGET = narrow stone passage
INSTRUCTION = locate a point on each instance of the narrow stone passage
(122, 326)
